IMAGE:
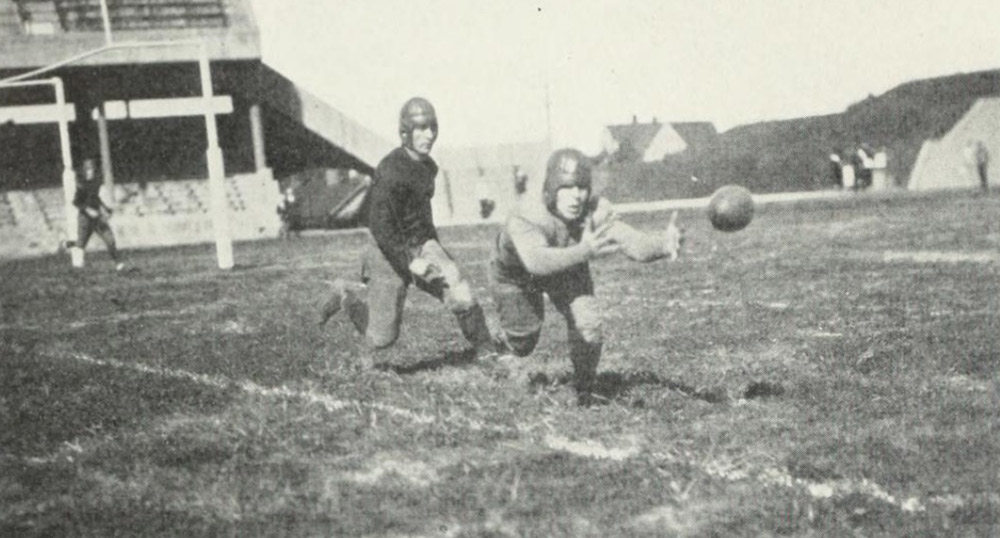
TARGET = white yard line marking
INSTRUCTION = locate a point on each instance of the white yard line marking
(249, 387)
(584, 448)
(117, 318)
(591, 449)
(931, 256)
(818, 490)
(734, 473)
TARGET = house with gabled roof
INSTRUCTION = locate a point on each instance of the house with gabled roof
(653, 141)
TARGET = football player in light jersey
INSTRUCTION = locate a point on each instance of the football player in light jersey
(406, 249)
(546, 246)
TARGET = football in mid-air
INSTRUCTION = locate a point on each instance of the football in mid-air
(730, 208)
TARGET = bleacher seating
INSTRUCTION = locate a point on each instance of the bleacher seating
(167, 212)
(52, 206)
(189, 196)
(127, 15)
(7, 218)
(10, 19)
(234, 195)
(39, 17)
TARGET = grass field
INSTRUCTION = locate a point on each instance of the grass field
(832, 370)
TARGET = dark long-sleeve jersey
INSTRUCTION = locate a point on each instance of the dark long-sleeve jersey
(88, 195)
(399, 211)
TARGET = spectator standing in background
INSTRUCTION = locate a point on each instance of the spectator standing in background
(862, 167)
(836, 170)
(880, 170)
(981, 156)
(486, 202)
(288, 211)
(847, 176)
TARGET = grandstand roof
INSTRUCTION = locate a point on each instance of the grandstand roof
(35, 33)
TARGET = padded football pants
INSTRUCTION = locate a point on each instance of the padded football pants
(522, 308)
(381, 313)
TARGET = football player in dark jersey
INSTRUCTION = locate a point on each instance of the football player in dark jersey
(405, 248)
(94, 213)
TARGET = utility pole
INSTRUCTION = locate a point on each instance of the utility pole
(548, 114)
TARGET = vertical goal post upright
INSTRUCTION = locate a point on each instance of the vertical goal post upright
(213, 152)
(62, 117)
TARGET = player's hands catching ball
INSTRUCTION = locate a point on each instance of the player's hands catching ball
(674, 237)
(597, 240)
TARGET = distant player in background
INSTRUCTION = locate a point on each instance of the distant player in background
(94, 213)
(485, 197)
(545, 248)
(862, 160)
(405, 248)
(520, 181)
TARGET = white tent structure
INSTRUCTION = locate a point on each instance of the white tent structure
(945, 163)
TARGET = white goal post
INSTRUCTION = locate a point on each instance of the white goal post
(213, 153)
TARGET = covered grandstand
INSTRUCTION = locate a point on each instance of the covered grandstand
(134, 99)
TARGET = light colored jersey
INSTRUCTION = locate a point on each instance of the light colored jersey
(552, 246)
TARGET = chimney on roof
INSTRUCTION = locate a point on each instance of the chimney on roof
(635, 119)
(654, 120)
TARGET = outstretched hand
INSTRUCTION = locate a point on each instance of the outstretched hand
(597, 240)
(674, 237)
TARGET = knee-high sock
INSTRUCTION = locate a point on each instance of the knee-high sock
(584, 356)
(472, 322)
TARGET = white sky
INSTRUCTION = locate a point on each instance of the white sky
(484, 63)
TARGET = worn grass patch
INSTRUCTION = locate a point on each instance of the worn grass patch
(832, 370)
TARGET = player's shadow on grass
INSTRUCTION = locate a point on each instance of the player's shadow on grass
(609, 386)
(460, 358)
(616, 386)
(612, 386)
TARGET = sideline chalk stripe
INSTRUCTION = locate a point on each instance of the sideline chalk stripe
(583, 448)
